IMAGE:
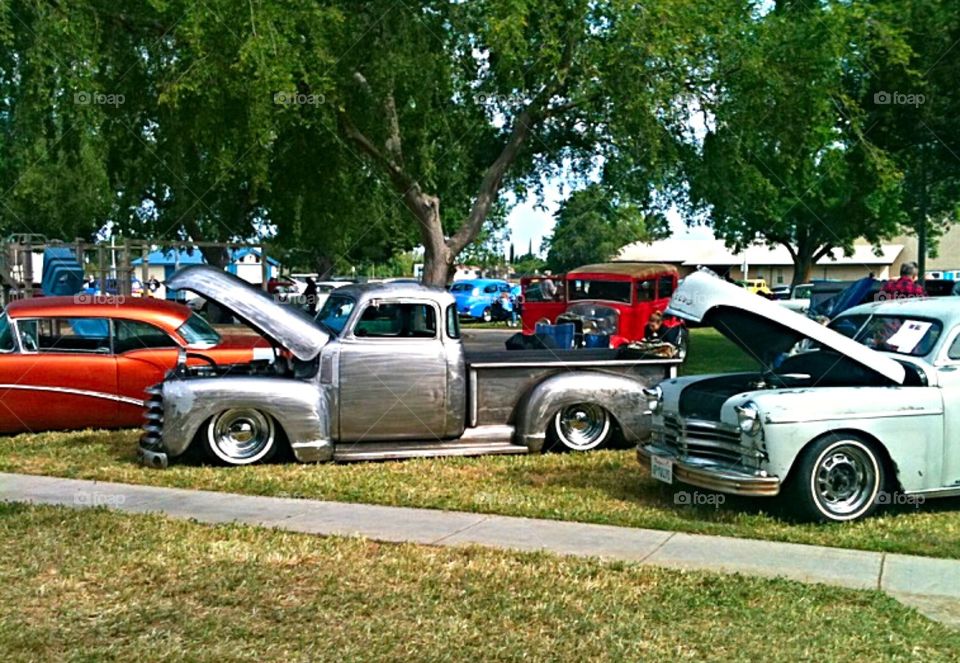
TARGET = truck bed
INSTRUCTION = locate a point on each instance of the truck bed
(499, 379)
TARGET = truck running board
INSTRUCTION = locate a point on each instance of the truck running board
(479, 441)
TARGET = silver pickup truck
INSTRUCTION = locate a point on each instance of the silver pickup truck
(382, 374)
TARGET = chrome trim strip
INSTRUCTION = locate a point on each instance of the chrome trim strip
(76, 392)
(575, 363)
(474, 399)
(951, 491)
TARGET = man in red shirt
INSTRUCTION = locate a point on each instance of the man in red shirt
(905, 286)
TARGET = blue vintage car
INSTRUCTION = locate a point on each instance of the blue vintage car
(475, 297)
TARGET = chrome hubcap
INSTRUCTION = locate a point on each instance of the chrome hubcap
(582, 426)
(845, 480)
(242, 434)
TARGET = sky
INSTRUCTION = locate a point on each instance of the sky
(527, 222)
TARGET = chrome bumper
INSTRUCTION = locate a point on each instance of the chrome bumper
(712, 476)
(151, 458)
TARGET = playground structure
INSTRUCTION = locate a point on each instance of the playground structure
(112, 264)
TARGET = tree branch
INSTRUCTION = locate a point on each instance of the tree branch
(490, 185)
(402, 182)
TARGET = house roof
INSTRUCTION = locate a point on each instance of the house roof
(184, 257)
(695, 252)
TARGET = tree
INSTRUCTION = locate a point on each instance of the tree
(592, 226)
(456, 102)
(911, 104)
(787, 157)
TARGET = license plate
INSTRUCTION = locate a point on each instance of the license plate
(661, 469)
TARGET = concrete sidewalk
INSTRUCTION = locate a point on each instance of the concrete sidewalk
(930, 585)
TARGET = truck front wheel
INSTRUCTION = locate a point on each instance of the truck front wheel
(241, 436)
(581, 427)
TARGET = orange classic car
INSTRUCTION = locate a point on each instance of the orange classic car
(85, 361)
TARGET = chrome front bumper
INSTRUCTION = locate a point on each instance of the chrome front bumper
(150, 458)
(710, 475)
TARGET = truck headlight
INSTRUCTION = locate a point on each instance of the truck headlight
(748, 418)
(654, 397)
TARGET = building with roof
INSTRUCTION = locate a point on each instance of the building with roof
(760, 261)
(244, 262)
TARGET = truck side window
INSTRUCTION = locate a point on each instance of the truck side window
(453, 322)
(646, 290)
(664, 287)
(397, 321)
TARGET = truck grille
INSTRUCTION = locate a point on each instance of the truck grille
(153, 418)
(705, 439)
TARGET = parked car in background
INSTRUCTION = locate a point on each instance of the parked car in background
(475, 297)
(85, 361)
(828, 299)
(615, 299)
(869, 410)
(383, 374)
(757, 287)
(781, 292)
(799, 299)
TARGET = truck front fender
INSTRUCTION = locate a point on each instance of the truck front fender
(296, 406)
(621, 396)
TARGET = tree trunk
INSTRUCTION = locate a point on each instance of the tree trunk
(437, 257)
(802, 266)
(324, 265)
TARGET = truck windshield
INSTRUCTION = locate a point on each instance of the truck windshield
(335, 312)
(6, 336)
(197, 332)
(611, 291)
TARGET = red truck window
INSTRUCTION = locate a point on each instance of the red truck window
(665, 287)
(646, 290)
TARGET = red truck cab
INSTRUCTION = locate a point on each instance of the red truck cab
(615, 298)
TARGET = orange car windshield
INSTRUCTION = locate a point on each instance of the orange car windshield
(197, 331)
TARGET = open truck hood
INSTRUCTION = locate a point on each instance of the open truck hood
(284, 325)
(764, 328)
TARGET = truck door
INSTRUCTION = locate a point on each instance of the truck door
(393, 374)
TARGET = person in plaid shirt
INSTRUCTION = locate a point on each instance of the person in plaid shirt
(905, 286)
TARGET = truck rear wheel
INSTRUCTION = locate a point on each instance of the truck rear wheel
(241, 436)
(581, 427)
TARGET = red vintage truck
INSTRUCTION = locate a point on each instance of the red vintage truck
(614, 299)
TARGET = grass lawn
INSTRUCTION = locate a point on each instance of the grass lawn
(95, 585)
(602, 487)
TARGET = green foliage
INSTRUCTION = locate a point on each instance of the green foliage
(592, 226)
(528, 264)
(911, 103)
(787, 157)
